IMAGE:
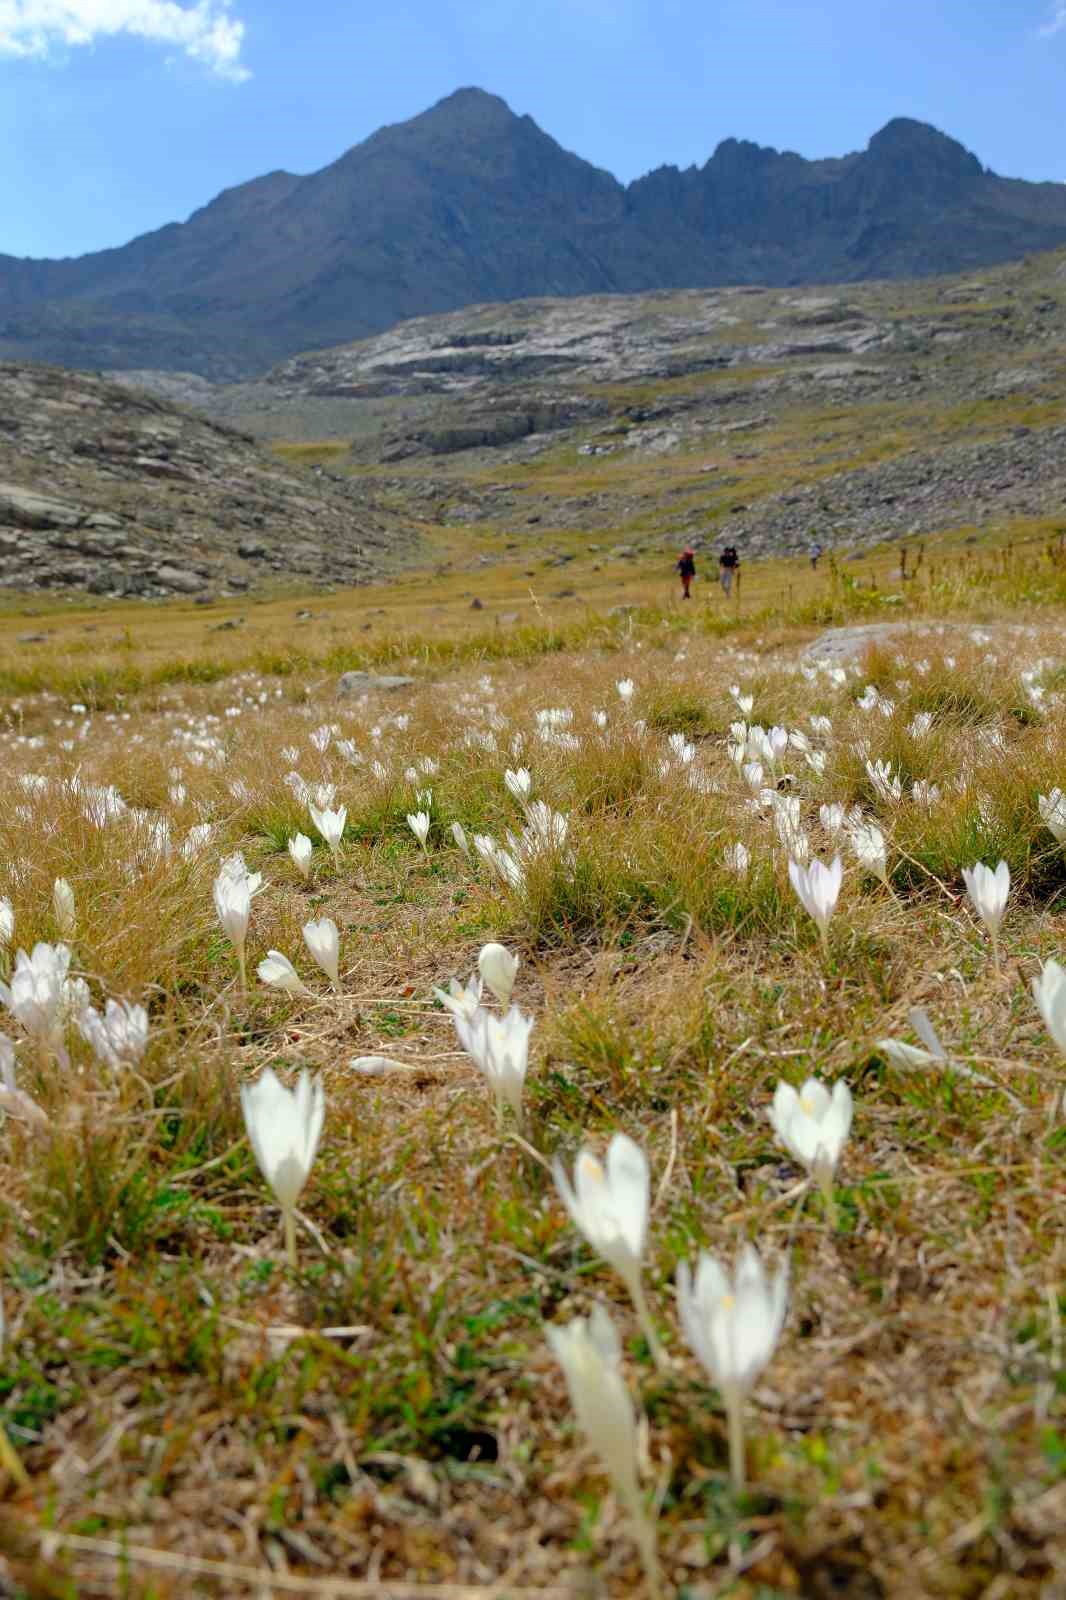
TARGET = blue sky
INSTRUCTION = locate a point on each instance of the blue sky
(119, 115)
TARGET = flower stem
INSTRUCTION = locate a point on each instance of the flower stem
(734, 1410)
(242, 965)
(826, 1186)
(644, 1532)
(647, 1326)
(290, 1237)
(995, 953)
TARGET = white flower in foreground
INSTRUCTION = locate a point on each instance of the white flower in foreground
(988, 893)
(883, 781)
(64, 909)
(1052, 808)
(590, 1354)
(732, 1327)
(910, 1055)
(40, 995)
(818, 888)
(278, 971)
(499, 1048)
(236, 868)
(233, 904)
(284, 1127)
(1049, 992)
(813, 1126)
(418, 822)
(737, 857)
(300, 849)
(324, 942)
(609, 1203)
(459, 835)
(868, 845)
(625, 687)
(519, 783)
(459, 1001)
(831, 818)
(15, 1102)
(330, 825)
(119, 1037)
(499, 968)
(7, 922)
(924, 793)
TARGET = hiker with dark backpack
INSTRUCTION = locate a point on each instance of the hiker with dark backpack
(728, 568)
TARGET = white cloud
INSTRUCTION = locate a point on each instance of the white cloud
(1056, 22)
(204, 30)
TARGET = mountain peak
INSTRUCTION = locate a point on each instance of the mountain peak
(907, 140)
(469, 108)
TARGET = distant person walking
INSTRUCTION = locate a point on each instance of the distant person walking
(815, 553)
(729, 568)
(686, 567)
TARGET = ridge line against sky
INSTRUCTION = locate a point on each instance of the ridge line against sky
(118, 116)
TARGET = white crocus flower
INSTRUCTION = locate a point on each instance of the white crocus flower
(499, 1048)
(278, 971)
(744, 702)
(884, 782)
(1052, 808)
(868, 845)
(64, 909)
(813, 1126)
(459, 835)
(519, 783)
(737, 857)
(330, 825)
(831, 818)
(1049, 992)
(924, 793)
(461, 1002)
(119, 1037)
(499, 968)
(300, 848)
(233, 904)
(418, 822)
(988, 893)
(590, 1354)
(323, 941)
(7, 922)
(732, 1326)
(910, 1055)
(625, 687)
(40, 995)
(284, 1127)
(15, 1102)
(818, 888)
(608, 1203)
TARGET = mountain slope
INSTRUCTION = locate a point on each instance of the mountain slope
(469, 203)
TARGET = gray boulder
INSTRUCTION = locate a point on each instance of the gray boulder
(369, 682)
(25, 509)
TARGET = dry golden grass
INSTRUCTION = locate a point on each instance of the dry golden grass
(191, 1417)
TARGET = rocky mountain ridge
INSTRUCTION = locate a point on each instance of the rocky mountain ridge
(469, 203)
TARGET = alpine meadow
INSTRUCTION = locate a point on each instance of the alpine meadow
(519, 1081)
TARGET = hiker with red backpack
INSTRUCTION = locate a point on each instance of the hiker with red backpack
(686, 567)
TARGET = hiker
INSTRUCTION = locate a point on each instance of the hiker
(686, 566)
(728, 567)
(815, 553)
